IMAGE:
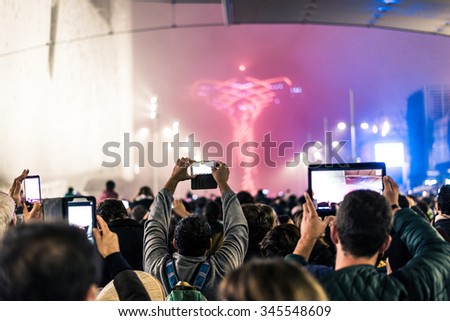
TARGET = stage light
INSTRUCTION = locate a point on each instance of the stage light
(342, 125)
(296, 90)
(242, 68)
(393, 154)
(335, 144)
(167, 131)
(375, 129)
(318, 156)
(364, 126)
(143, 133)
(243, 101)
(385, 128)
(430, 182)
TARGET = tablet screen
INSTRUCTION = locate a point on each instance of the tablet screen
(330, 184)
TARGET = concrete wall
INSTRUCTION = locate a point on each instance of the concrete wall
(60, 104)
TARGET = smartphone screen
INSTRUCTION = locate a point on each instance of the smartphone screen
(126, 204)
(202, 168)
(32, 188)
(81, 213)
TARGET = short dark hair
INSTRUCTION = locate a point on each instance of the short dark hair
(138, 212)
(46, 262)
(403, 201)
(444, 199)
(363, 222)
(280, 241)
(212, 211)
(260, 220)
(245, 197)
(146, 190)
(110, 185)
(111, 209)
(193, 236)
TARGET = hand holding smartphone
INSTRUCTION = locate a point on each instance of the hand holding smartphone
(203, 175)
(32, 189)
(80, 211)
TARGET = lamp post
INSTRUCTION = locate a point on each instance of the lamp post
(352, 125)
(155, 134)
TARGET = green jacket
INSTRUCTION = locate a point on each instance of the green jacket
(425, 277)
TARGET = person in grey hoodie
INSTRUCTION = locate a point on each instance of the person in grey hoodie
(193, 236)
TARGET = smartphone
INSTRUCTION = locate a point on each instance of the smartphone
(203, 175)
(80, 212)
(126, 203)
(202, 168)
(32, 188)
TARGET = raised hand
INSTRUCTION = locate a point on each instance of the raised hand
(107, 241)
(16, 187)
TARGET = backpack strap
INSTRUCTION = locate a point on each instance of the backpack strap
(201, 276)
(171, 274)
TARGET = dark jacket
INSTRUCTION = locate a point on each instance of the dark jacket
(425, 277)
(131, 240)
(443, 227)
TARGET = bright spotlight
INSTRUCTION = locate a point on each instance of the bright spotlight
(364, 126)
(430, 182)
(375, 129)
(143, 132)
(342, 125)
(242, 68)
(167, 131)
(393, 154)
(385, 129)
(318, 155)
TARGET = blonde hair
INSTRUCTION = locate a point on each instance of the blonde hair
(271, 280)
(6, 212)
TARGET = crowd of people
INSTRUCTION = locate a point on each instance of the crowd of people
(376, 246)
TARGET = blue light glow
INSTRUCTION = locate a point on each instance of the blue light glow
(390, 1)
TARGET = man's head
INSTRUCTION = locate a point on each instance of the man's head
(46, 261)
(6, 212)
(444, 199)
(245, 197)
(280, 241)
(261, 219)
(363, 223)
(138, 212)
(192, 236)
(212, 211)
(111, 209)
(110, 185)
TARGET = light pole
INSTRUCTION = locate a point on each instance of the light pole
(155, 137)
(352, 125)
